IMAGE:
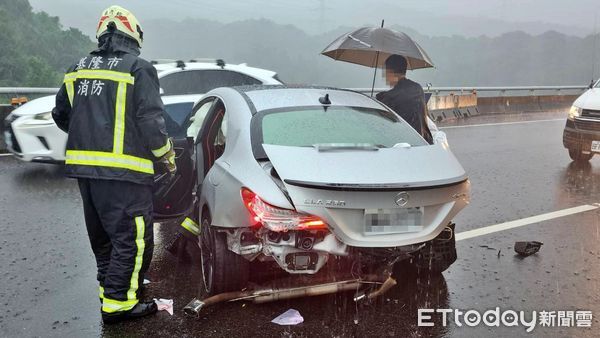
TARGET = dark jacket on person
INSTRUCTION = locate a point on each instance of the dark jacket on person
(408, 100)
(110, 106)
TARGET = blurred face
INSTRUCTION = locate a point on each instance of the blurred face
(391, 77)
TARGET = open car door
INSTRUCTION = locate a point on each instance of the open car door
(173, 195)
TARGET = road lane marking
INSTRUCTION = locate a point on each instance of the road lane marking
(500, 123)
(525, 221)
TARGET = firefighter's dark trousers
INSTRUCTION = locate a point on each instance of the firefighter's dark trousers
(118, 217)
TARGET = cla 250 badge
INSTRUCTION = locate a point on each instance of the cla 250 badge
(327, 203)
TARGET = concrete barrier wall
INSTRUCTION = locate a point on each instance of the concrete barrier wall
(443, 107)
(525, 104)
(441, 102)
(460, 106)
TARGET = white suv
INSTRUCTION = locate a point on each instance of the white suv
(32, 136)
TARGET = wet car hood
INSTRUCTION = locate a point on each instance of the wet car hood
(37, 106)
(589, 100)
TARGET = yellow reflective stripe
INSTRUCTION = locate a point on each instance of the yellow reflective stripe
(70, 91)
(119, 136)
(100, 74)
(112, 305)
(101, 292)
(105, 159)
(191, 226)
(139, 257)
(162, 150)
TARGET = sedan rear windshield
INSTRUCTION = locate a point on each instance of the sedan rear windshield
(312, 126)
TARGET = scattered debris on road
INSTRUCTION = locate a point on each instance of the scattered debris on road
(290, 317)
(259, 296)
(164, 305)
(527, 248)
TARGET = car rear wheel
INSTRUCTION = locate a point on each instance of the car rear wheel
(222, 269)
(578, 156)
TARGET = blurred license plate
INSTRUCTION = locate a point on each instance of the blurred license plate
(7, 139)
(596, 146)
(382, 221)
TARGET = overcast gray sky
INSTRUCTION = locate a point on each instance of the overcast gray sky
(431, 17)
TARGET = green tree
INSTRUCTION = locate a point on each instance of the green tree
(36, 50)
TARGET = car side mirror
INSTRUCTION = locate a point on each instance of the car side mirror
(591, 84)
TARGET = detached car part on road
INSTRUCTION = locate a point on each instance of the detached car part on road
(303, 177)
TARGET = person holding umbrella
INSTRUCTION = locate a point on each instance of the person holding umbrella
(406, 97)
(397, 52)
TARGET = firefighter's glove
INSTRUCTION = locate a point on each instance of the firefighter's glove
(168, 160)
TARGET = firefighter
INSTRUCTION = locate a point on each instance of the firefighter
(110, 106)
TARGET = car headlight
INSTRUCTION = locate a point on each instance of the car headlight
(43, 116)
(38, 120)
(574, 112)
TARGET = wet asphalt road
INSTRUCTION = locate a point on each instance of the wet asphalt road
(47, 271)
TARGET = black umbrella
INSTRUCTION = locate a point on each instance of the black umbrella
(370, 46)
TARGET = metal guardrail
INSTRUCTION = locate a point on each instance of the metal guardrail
(27, 90)
(462, 90)
(436, 90)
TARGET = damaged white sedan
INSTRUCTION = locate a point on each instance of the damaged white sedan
(309, 177)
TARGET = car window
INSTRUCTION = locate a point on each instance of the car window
(214, 135)
(198, 118)
(176, 116)
(304, 127)
(203, 81)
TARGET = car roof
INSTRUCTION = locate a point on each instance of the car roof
(265, 97)
(264, 75)
(173, 99)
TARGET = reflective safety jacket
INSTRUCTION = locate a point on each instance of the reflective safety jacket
(110, 106)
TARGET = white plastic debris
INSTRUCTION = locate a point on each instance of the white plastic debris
(146, 281)
(164, 305)
(290, 317)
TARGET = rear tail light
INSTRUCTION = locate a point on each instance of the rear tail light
(278, 219)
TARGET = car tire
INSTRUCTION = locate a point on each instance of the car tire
(578, 156)
(222, 269)
(437, 255)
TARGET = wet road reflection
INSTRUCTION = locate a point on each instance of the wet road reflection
(580, 182)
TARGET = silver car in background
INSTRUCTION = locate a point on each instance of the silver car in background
(303, 177)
